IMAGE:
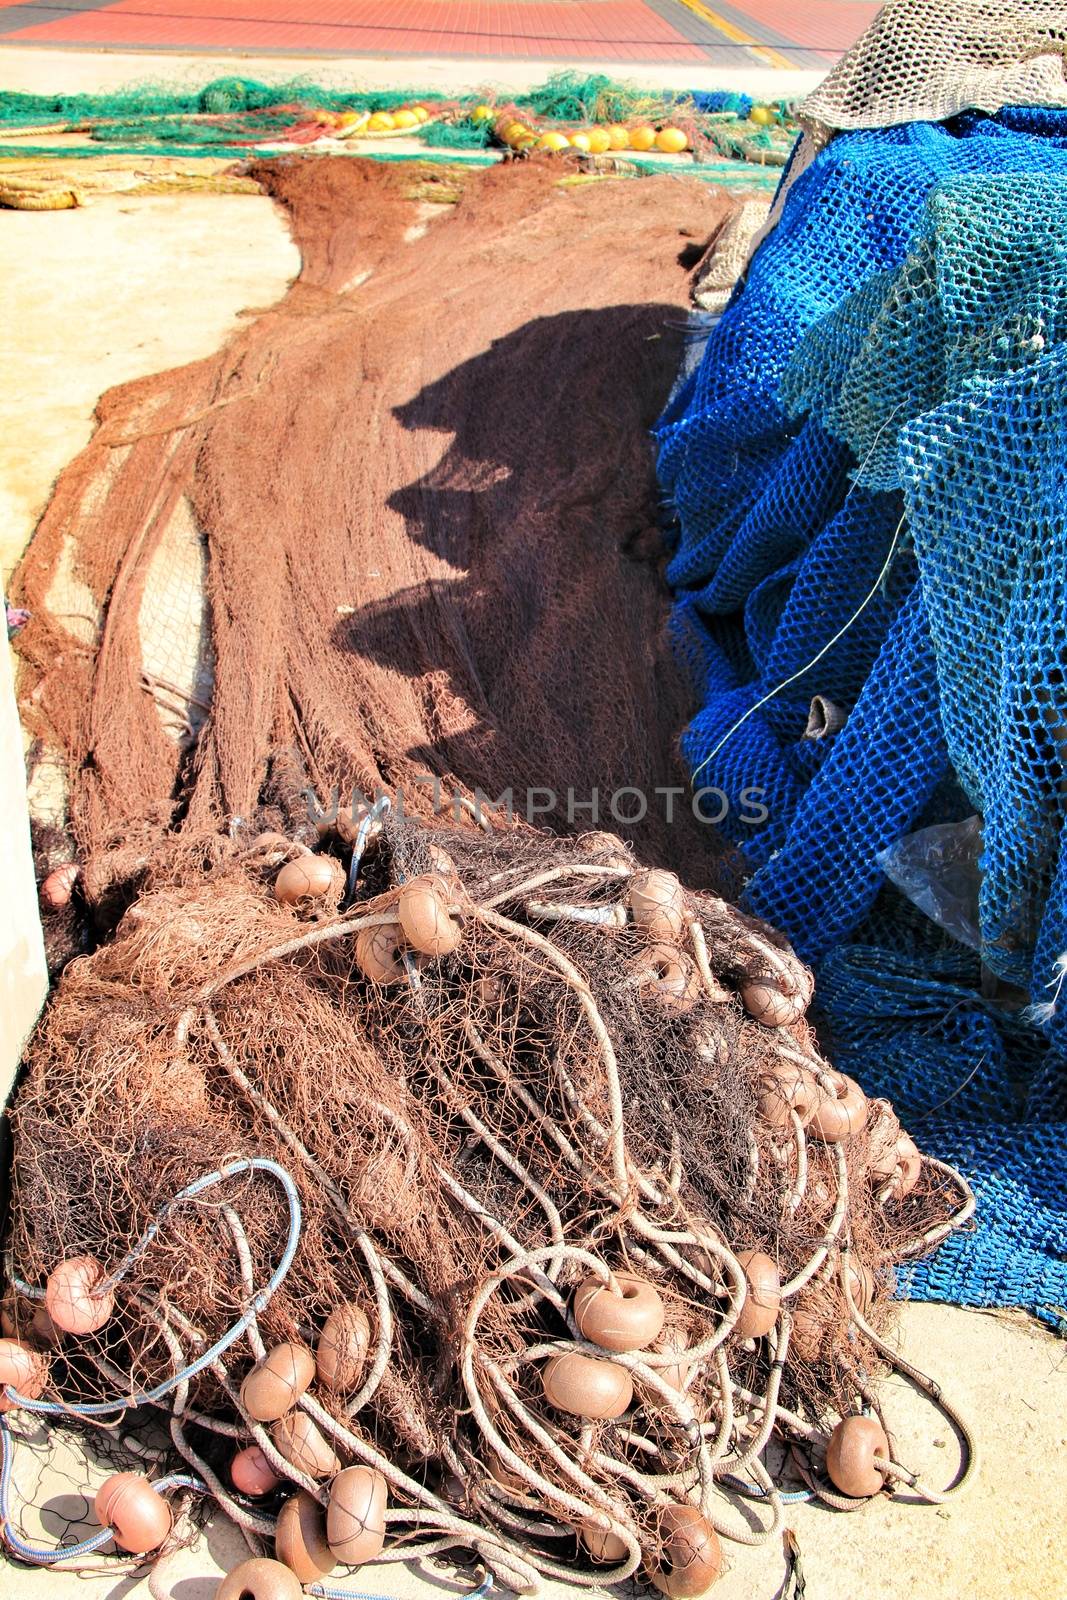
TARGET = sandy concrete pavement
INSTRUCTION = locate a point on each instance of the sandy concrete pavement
(53, 71)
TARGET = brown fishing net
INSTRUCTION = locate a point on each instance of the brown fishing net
(569, 1090)
(409, 1122)
(422, 495)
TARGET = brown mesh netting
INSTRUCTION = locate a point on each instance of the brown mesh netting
(413, 1149)
(516, 1079)
(425, 486)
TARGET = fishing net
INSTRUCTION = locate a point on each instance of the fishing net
(927, 60)
(232, 117)
(403, 615)
(517, 1080)
(292, 1130)
(867, 471)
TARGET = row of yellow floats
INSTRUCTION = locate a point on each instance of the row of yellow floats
(593, 141)
(346, 124)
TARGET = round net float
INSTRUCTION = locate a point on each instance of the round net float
(58, 886)
(787, 1088)
(603, 1546)
(355, 1516)
(300, 1442)
(586, 1387)
(379, 953)
(608, 848)
(882, 1134)
(629, 1320)
(251, 1473)
(271, 843)
(861, 1285)
(909, 1166)
(276, 1384)
(854, 1443)
(23, 1369)
(814, 1313)
(341, 1352)
(441, 861)
(300, 1538)
(70, 1298)
(349, 820)
(824, 718)
(310, 879)
(260, 1579)
(763, 1297)
(657, 904)
(765, 1002)
(665, 976)
(425, 915)
(139, 1518)
(690, 1556)
(841, 1111)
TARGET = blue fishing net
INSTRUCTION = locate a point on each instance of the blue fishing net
(869, 474)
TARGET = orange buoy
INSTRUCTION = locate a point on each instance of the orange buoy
(629, 1320)
(139, 1518)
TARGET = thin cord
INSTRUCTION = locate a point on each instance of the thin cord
(260, 1300)
(815, 659)
(333, 1591)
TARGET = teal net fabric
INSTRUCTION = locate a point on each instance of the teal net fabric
(874, 446)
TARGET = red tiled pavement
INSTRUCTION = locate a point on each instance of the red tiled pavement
(827, 25)
(594, 30)
(602, 30)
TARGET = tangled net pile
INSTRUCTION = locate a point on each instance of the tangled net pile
(516, 1083)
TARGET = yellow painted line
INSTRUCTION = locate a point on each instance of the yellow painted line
(736, 35)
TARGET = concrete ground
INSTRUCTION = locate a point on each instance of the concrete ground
(57, 71)
(129, 285)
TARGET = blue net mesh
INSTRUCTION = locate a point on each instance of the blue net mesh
(869, 467)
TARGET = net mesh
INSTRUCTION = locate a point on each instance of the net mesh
(868, 472)
(927, 60)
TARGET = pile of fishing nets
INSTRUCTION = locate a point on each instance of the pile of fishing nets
(510, 1207)
(235, 116)
(867, 470)
(438, 1188)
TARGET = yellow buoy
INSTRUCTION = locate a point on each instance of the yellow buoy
(642, 138)
(580, 141)
(405, 119)
(514, 132)
(421, 114)
(599, 141)
(553, 141)
(671, 140)
(763, 116)
(481, 114)
(619, 136)
(380, 122)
